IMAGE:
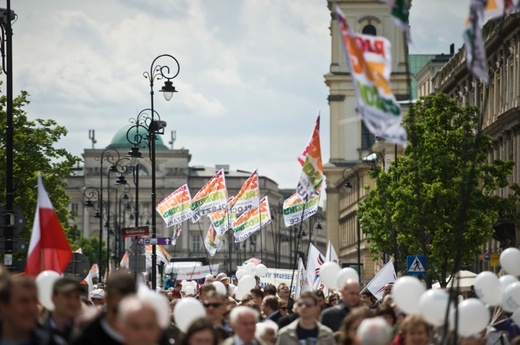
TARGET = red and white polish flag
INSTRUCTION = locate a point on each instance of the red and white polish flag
(48, 248)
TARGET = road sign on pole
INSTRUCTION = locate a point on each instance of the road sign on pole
(416, 264)
(156, 241)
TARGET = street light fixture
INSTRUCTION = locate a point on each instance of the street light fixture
(348, 186)
(158, 72)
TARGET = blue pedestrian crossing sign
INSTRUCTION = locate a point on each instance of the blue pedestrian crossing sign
(416, 264)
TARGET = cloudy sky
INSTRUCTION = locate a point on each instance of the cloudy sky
(251, 81)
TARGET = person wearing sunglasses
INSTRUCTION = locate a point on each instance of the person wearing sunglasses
(306, 329)
(215, 308)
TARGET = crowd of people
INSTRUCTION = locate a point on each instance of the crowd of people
(116, 314)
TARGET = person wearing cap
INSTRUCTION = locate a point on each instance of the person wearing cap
(225, 280)
(97, 297)
(209, 279)
(66, 297)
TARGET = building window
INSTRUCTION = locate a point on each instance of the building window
(367, 138)
(369, 30)
(74, 208)
(195, 243)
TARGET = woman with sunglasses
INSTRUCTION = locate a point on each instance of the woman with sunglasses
(333, 299)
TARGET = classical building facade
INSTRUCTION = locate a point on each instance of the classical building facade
(131, 206)
(499, 102)
(350, 141)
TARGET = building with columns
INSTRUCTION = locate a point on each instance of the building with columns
(350, 141)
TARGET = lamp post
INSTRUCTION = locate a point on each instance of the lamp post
(158, 72)
(348, 187)
(6, 47)
(93, 196)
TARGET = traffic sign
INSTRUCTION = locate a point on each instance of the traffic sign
(19, 245)
(486, 257)
(416, 264)
(78, 266)
(137, 263)
(155, 241)
(135, 231)
(16, 266)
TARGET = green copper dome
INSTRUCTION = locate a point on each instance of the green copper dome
(120, 141)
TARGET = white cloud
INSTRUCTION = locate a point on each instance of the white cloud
(251, 80)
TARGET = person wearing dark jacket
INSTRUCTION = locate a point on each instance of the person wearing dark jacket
(332, 317)
(103, 330)
(271, 309)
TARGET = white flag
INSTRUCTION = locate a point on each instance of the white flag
(301, 282)
(314, 262)
(331, 254)
(383, 277)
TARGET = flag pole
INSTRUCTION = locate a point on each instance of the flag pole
(298, 241)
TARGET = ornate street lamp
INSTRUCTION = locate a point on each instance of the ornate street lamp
(158, 72)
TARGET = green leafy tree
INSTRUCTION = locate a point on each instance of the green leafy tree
(35, 151)
(438, 198)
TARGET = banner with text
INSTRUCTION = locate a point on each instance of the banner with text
(211, 198)
(248, 197)
(175, 208)
(277, 276)
(251, 221)
(197, 272)
(370, 64)
(294, 207)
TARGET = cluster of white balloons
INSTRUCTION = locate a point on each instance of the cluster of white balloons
(189, 287)
(335, 277)
(410, 296)
(246, 278)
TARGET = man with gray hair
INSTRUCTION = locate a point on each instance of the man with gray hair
(243, 321)
(374, 331)
(138, 322)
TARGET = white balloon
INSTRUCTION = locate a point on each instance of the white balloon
(160, 304)
(433, 305)
(239, 294)
(249, 268)
(328, 274)
(510, 261)
(488, 288)
(407, 292)
(221, 288)
(516, 316)
(232, 289)
(186, 311)
(347, 273)
(507, 280)
(261, 270)
(240, 273)
(190, 290)
(45, 283)
(473, 317)
(247, 283)
(511, 297)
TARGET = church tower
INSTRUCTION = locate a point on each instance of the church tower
(350, 140)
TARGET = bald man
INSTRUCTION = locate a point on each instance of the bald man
(138, 322)
(332, 317)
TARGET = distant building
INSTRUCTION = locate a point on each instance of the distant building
(499, 102)
(271, 244)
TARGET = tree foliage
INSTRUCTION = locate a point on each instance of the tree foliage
(35, 151)
(438, 199)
